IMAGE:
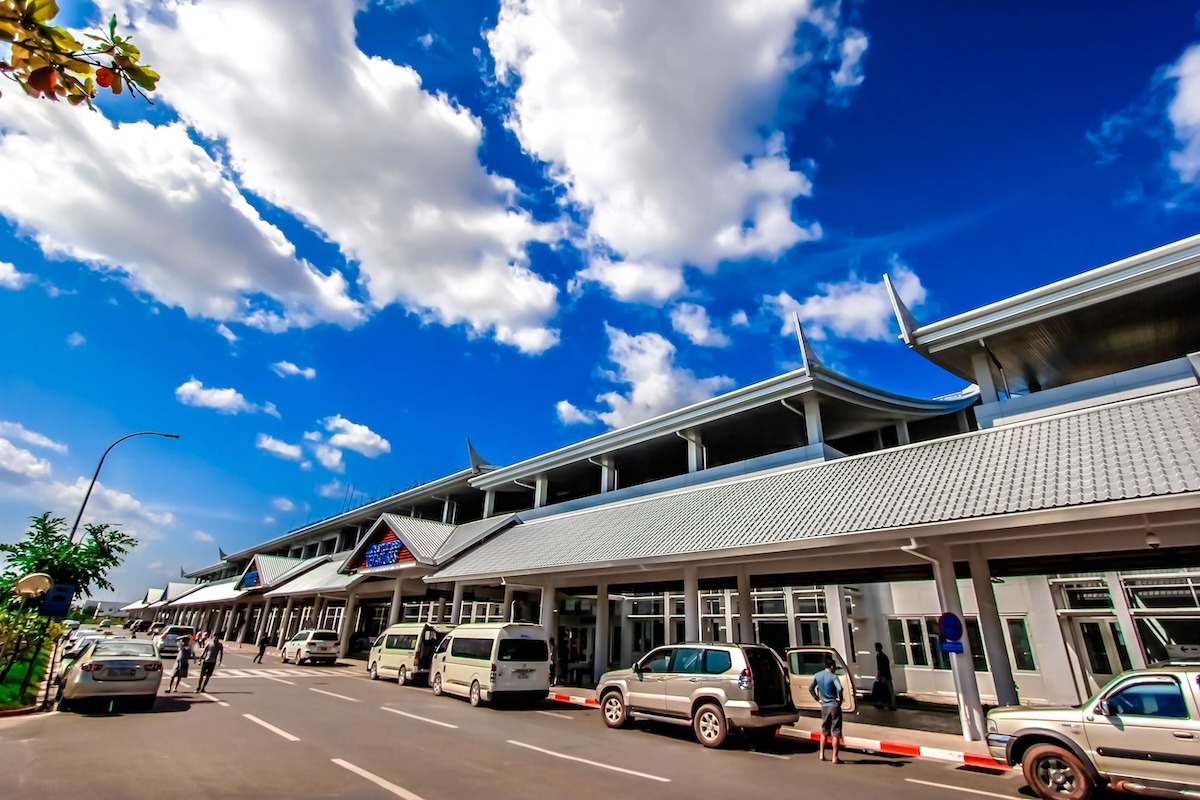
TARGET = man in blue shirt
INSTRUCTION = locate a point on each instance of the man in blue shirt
(826, 689)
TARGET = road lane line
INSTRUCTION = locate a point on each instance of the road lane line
(555, 714)
(375, 779)
(331, 694)
(769, 755)
(271, 728)
(592, 763)
(953, 788)
(234, 673)
(414, 716)
(280, 680)
(216, 700)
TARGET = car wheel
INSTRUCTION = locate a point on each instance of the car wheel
(283, 657)
(1055, 773)
(373, 672)
(299, 657)
(476, 697)
(402, 676)
(437, 685)
(710, 726)
(615, 712)
(64, 704)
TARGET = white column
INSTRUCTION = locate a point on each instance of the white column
(691, 604)
(626, 632)
(489, 503)
(992, 628)
(509, 591)
(608, 474)
(1125, 619)
(541, 491)
(812, 419)
(262, 621)
(745, 633)
(285, 621)
(440, 610)
(547, 616)
(835, 612)
(902, 432)
(241, 632)
(981, 365)
(603, 634)
(456, 603)
(347, 628)
(695, 450)
(970, 708)
(397, 602)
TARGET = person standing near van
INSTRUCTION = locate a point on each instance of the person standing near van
(553, 663)
(884, 690)
(826, 689)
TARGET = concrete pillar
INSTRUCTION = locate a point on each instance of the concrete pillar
(992, 628)
(981, 365)
(745, 634)
(447, 511)
(489, 503)
(285, 622)
(695, 450)
(626, 632)
(346, 630)
(262, 621)
(318, 608)
(541, 490)
(1120, 603)
(241, 632)
(812, 419)
(397, 609)
(508, 602)
(902, 432)
(961, 421)
(789, 609)
(970, 708)
(691, 604)
(603, 634)
(457, 603)
(835, 612)
(232, 615)
(548, 612)
(608, 474)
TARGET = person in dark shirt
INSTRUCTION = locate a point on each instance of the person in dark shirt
(885, 690)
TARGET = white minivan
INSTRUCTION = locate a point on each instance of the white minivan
(489, 660)
(405, 651)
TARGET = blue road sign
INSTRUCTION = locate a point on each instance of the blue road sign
(952, 647)
(950, 627)
(57, 602)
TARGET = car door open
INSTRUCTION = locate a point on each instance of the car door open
(805, 662)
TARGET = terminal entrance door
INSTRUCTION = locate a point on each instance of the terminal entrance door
(1102, 650)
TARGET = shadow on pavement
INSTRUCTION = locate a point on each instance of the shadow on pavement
(99, 707)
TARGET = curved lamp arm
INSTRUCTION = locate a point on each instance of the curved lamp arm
(96, 474)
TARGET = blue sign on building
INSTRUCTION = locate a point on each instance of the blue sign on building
(384, 554)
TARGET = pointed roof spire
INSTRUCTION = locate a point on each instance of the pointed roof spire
(182, 574)
(807, 355)
(222, 552)
(478, 463)
(908, 323)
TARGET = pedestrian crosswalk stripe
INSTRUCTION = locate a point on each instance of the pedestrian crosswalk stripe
(268, 673)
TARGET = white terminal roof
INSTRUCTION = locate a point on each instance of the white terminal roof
(322, 578)
(225, 591)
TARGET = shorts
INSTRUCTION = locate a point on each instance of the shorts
(831, 721)
(206, 668)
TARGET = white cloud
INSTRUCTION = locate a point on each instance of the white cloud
(330, 458)
(283, 504)
(290, 452)
(570, 414)
(285, 368)
(107, 505)
(76, 339)
(850, 309)
(348, 435)
(739, 319)
(646, 365)
(853, 47)
(434, 231)
(332, 489)
(226, 401)
(692, 321)
(10, 278)
(268, 520)
(201, 536)
(19, 432)
(682, 167)
(18, 465)
(226, 334)
(1184, 114)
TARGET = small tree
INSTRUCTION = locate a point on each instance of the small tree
(47, 60)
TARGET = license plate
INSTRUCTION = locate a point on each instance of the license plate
(523, 675)
(126, 672)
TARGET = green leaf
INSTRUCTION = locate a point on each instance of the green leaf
(41, 10)
(112, 26)
(144, 77)
(128, 49)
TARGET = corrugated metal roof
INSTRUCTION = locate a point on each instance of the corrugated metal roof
(215, 592)
(470, 533)
(272, 568)
(1141, 448)
(323, 578)
(422, 537)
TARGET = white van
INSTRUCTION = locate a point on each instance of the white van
(405, 651)
(488, 660)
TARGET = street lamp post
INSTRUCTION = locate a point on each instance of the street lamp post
(96, 474)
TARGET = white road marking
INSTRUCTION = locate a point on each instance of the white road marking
(592, 763)
(769, 755)
(331, 694)
(231, 673)
(962, 789)
(268, 672)
(271, 728)
(555, 714)
(280, 680)
(216, 700)
(375, 779)
(414, 716)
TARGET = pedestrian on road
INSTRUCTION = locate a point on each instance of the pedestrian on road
(553, 663)
(263, 642)
(884, 691)
(182, 658)
(213, 654)
(826, 689)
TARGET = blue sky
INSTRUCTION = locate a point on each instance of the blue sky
(347, 236)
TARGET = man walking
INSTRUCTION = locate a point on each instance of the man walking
(182, 657)
(826, 689)
(263, 642)
(214, 653)
(884, 690)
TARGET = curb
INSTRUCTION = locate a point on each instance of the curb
(574, 699)
(901, 749)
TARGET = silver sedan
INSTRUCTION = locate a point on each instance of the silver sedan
(111, 668)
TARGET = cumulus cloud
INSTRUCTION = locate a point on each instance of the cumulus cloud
(18, 465)
(268, 520)
(283, 504)
(105, 505)
(1184, 113)
(739, 319)
(286, 368)
(15, 430)
(645, 364)
(331, 489)
(201, 536)
(330, 458)
(226, 401)
(277, 447)
(433, 231)
(348, 435)
(682, 169)
(692, 321)
(226, 334)
(76, 339)
(850, 309)
(10, 278)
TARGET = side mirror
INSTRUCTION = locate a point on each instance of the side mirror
(1104, 709)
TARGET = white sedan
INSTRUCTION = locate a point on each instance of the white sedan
(112, 668)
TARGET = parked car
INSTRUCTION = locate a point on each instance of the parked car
(168, 640)
(715, 688)
(405, 651)
(112, 668)
(156, 628)
(82, 642)
(139, 625)
(311, 646)
(1140, 734)
(489, 660)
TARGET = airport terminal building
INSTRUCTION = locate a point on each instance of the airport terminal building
(1055, 506)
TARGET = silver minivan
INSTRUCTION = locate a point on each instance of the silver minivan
(485, 661)
(405, 651)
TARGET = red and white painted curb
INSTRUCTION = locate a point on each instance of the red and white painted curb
(901, 749)
(575, 699)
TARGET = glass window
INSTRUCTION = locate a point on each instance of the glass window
(1162, 698)
(806, 662)
(716, 662)
(975, 638)
(464, 647)
(899, 651)
(406, 641)
(940, 660)
(657, 661)
(379, 642)
(1022, 648)
(523, 650)
(688, 660)
(915, 643)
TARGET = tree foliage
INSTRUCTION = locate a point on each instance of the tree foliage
(47, 60)
(47, 548)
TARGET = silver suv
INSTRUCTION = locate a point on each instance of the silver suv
(1140, 734)
(715, 688)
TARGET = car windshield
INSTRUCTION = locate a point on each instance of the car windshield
(324, 636)
(127, 649)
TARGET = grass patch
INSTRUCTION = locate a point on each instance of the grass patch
(11, 687)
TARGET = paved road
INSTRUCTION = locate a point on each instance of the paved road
(280, 731)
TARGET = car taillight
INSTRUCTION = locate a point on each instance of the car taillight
(152, 666)
(493, 677)
(745, 680)
(91, 666)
